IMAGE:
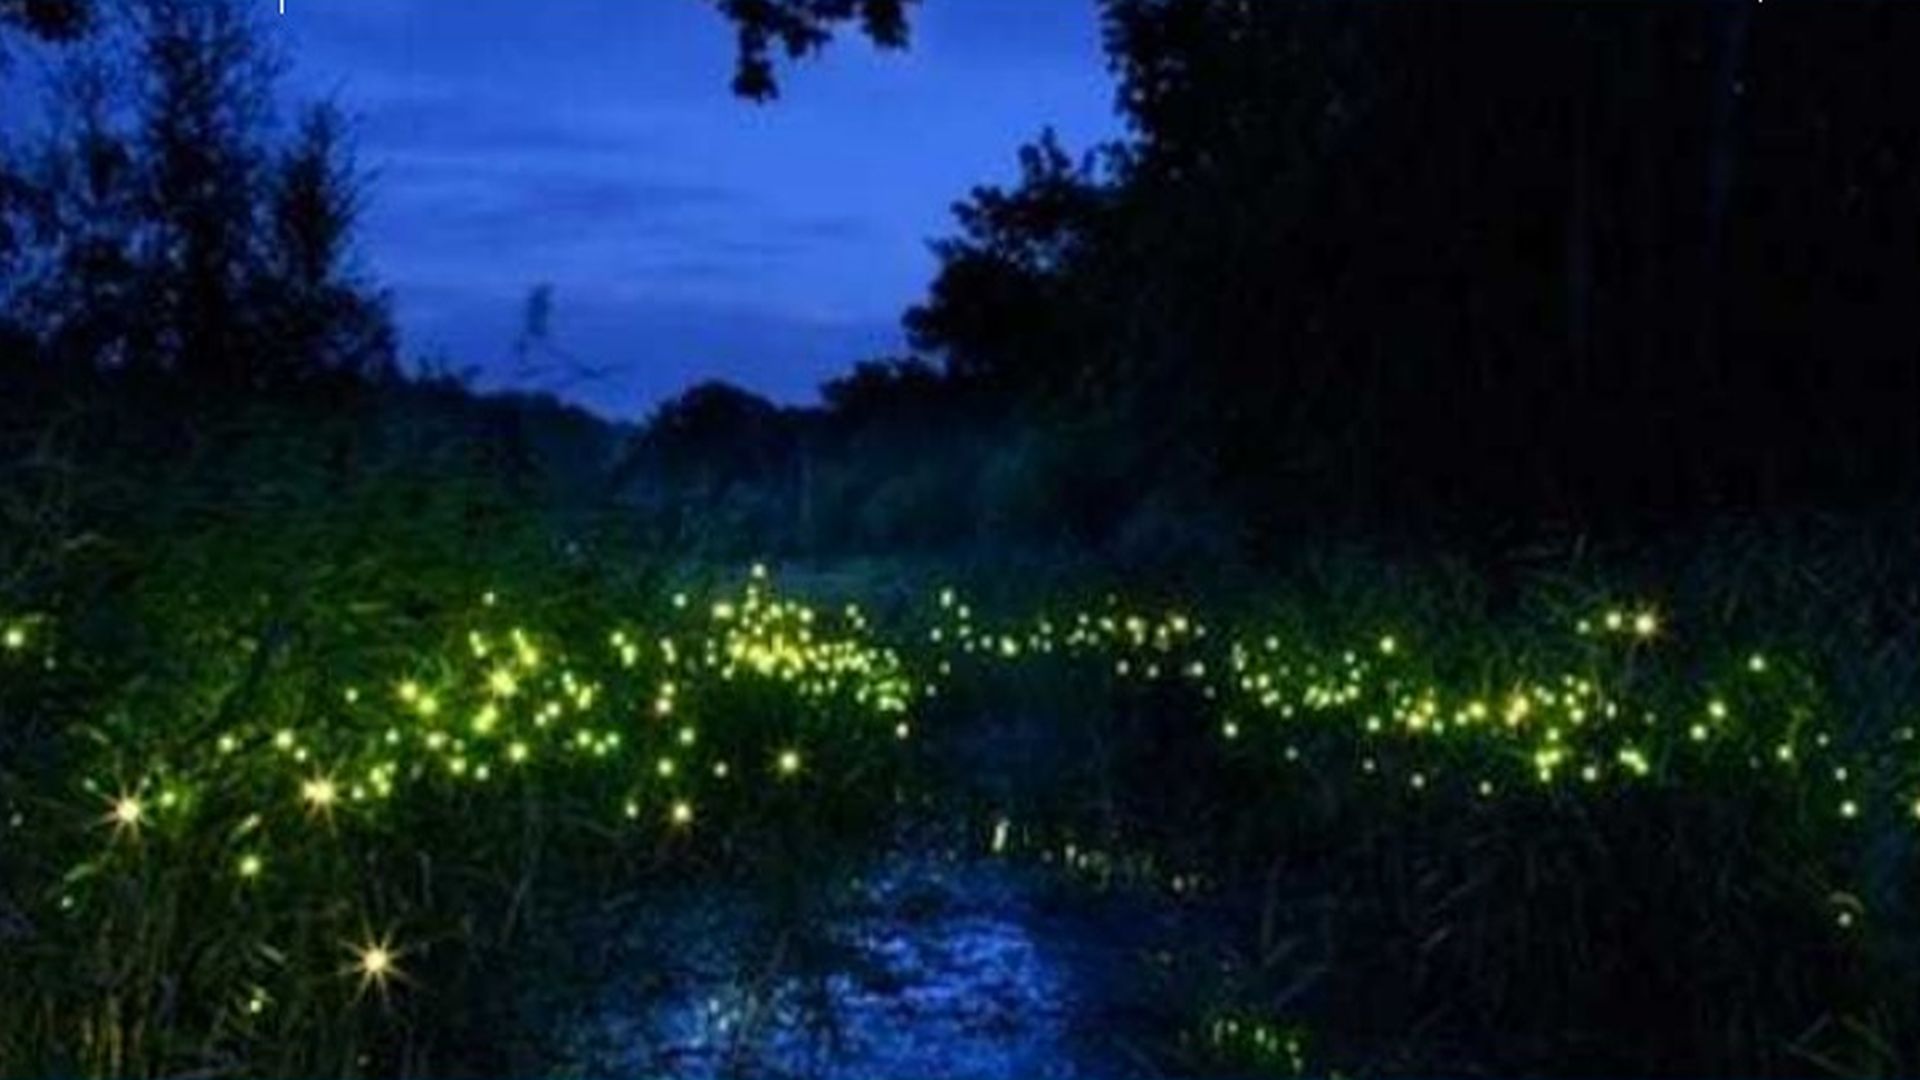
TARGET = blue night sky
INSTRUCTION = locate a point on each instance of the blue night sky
(594, 145)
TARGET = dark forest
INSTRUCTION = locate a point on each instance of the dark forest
(1406, 561)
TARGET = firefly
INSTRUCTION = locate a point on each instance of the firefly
(376, 963)
(128, 813)
(319, 793)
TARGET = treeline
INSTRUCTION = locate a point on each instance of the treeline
(166, 220)
(1488, 269)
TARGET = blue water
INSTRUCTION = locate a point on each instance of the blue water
(926, 966)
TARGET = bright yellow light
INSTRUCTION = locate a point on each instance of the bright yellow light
(502, 683)
(250, 865)
(682, 814)
(376, 963)
(128, 812)
(319, 793)
(1645, 624)
(15, 638)
(789, 762)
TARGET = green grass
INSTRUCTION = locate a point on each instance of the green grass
(302, 766)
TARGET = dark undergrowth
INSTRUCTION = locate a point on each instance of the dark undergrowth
(330, 725)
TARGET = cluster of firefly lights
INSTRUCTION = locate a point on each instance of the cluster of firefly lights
(1374, 708)
(637, 710)
(514, 700)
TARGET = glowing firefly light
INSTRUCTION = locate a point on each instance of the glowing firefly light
(15, 638)
(789, 762)
(249, 866)
(128, 813)
(319, 794)
(682, 814)
(376, 963)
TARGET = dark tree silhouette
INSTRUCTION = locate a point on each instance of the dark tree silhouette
(1478, 264)
(1002, 311)
(58, 21)
(83, 217)
(174, 231)
(799, 28)
(320, 315)
(47, 20)
(203, 115)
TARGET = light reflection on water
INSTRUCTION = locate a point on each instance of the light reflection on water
(929, 968)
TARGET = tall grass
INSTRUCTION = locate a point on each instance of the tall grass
(321, 725)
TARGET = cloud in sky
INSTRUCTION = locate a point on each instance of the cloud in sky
(593, 145)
